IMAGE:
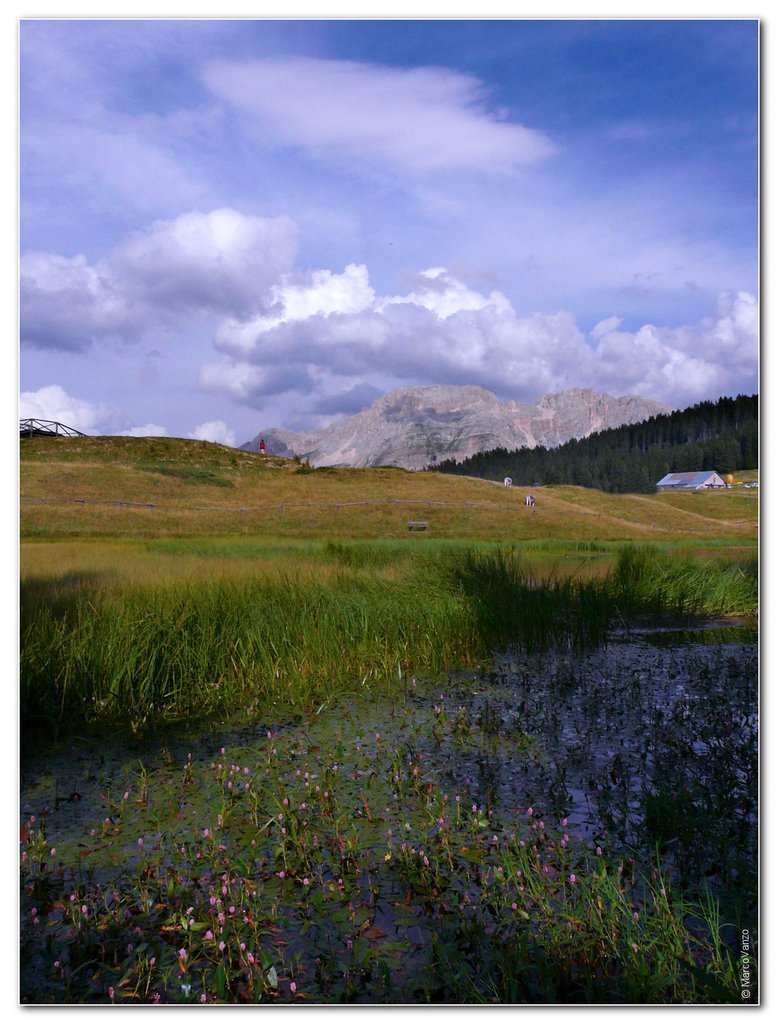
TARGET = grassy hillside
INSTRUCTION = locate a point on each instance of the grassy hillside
(158, 487)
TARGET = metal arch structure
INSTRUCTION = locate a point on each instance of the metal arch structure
(46, 428)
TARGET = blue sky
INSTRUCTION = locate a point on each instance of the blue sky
(232, 225)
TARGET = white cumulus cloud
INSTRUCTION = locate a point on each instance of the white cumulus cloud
(440, 292)
(299, 298)
(147, 430)
(680, 365)
(214, 430)
(444, 331)
(54, 403)
(220, 263)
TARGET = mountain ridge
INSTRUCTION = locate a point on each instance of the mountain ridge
(413, 427)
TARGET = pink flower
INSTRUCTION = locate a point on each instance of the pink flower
(572, 879)
(293, 987)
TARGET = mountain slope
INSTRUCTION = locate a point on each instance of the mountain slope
(417, 426)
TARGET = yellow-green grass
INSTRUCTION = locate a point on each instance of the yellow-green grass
(74, 487)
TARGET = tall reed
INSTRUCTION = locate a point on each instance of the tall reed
(514, 605)
(644, 581)
(141, 654)
(146, 653)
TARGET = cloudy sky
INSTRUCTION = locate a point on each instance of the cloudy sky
(231, 225)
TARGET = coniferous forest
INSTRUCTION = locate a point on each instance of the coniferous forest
(721, 436)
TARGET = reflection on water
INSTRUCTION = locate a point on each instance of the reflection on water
(651, 742)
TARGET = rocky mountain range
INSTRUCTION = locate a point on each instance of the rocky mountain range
(414, 427)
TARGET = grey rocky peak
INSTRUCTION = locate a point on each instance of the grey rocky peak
(414, 427)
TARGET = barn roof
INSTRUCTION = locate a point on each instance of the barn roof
(686, 479)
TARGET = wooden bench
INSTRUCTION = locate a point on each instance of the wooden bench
(417, 524)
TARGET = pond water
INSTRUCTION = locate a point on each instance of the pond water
(648, 746)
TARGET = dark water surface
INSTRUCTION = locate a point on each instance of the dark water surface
(648, 746)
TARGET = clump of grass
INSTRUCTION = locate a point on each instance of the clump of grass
(644, 580)
(141, 654)
(189, 474)
(365, 556)
(514, 606)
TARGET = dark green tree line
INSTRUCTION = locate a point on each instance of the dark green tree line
(721, 436)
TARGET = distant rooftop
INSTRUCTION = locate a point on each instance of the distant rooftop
(707, 478)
